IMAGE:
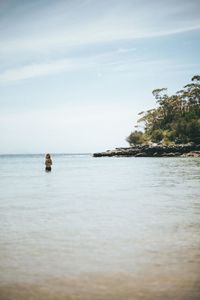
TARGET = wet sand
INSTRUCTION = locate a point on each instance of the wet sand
(121, 286)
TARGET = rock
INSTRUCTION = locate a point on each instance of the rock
(188, 150)
(171, 154)
(142, 154)
(191, 154)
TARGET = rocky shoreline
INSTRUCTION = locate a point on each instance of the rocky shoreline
(153, 151)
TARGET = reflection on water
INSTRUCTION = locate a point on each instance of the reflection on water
(113, 228)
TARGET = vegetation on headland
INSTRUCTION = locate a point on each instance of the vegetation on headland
(176, 119)
(172, 129)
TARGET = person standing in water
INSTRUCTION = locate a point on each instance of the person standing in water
(48, 162)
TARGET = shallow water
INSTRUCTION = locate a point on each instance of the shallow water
(99, 228)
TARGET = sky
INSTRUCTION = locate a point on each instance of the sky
(74, 74)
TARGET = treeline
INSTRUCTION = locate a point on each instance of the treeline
(175, 120)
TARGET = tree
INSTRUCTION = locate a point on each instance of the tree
(136, 138)
(176, 118)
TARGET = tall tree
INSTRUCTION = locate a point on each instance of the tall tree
(176, 118)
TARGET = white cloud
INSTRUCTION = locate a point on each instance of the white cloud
(126, 50)
(95, 33)
(48, 33)
(69, 24)
(35, 70)
(38, 39)
(100, 64)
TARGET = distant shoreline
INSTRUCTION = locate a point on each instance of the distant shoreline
(153, 151)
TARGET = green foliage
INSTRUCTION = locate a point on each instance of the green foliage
(157, 135)
(136, 138)
(175, 120)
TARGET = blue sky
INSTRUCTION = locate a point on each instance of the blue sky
(74, 74)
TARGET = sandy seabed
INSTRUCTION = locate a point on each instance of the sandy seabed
(107, 287)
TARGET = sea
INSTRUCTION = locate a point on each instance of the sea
(120, 228)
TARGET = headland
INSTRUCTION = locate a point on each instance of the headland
(187, 150)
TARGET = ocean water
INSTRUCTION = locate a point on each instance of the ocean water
(99, 228)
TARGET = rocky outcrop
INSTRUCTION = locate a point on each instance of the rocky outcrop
(191, 154)
(154, 151)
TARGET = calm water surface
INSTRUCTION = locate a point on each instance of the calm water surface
(99, 228)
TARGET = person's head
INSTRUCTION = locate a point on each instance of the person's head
(48, 156)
